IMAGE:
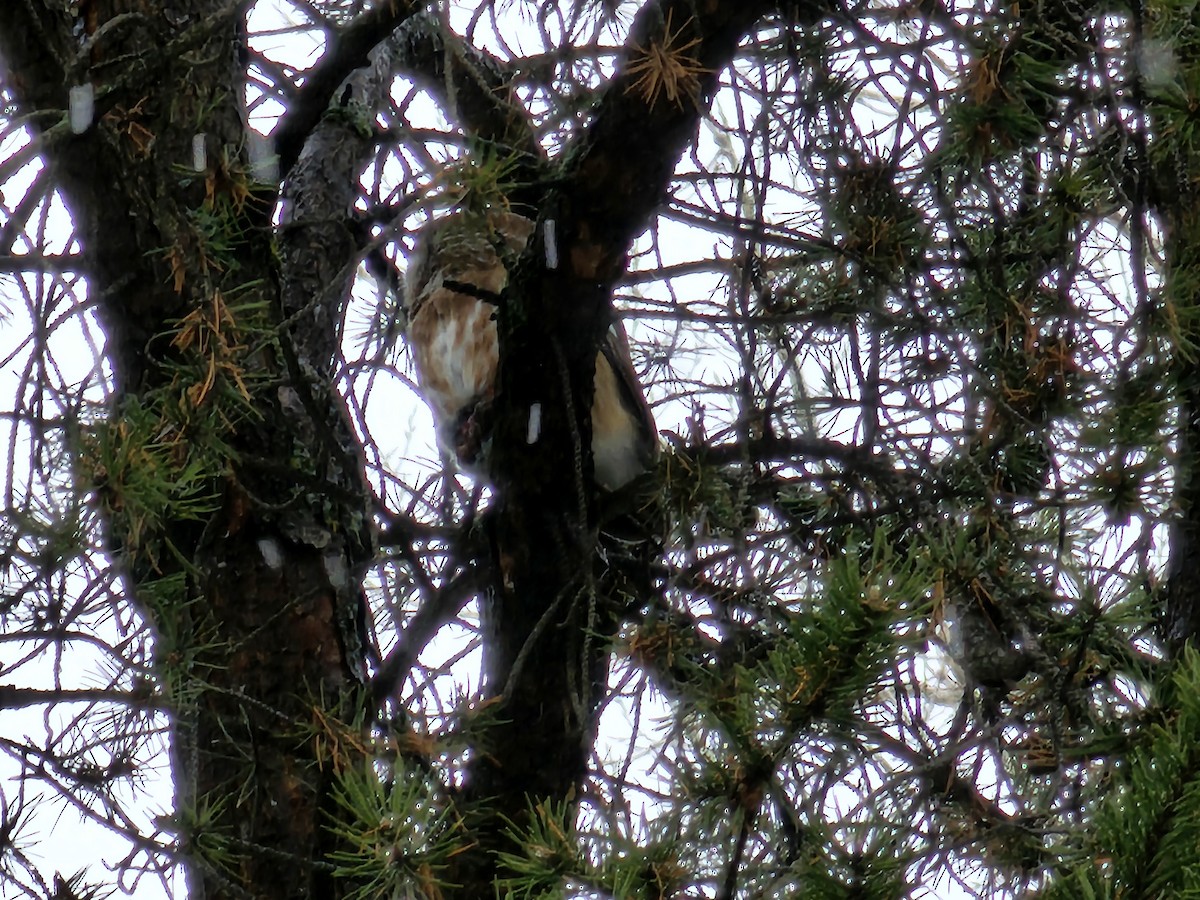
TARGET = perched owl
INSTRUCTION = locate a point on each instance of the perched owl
(453, 277)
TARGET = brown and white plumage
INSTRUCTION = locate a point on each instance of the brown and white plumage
(453, 272)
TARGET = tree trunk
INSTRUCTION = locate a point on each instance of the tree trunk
(254, 595)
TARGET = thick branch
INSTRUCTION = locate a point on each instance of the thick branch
(620, 172)
(1182, 614)
(471, 85)
(348, 50)
(475, 90)
(322, 187)
(262, 576)
(550, 621)
(32, 49)
(608, 190)
(14, 697)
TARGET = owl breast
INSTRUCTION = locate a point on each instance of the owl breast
(455, 349)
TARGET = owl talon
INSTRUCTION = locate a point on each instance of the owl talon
(472, 427)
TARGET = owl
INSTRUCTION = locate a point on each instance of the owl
(454, 277)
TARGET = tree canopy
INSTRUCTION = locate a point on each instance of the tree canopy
(905, 607)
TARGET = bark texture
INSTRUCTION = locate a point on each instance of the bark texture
(551, 619)
(251, 599)
(257, 601)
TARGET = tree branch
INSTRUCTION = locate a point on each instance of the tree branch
(474, 89)
(622, 166)
(431, 615)
(348, 50)
(471, 85)
(31, 49)
(14, 697)
(548, 623)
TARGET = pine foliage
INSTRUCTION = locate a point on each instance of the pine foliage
(908, 606)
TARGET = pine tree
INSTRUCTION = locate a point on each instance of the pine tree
(905, 608)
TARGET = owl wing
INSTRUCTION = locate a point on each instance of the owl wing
(624, 437)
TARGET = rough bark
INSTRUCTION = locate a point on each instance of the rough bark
(550, 623)
(259, 648)
(1182, 614)
(254, 651)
